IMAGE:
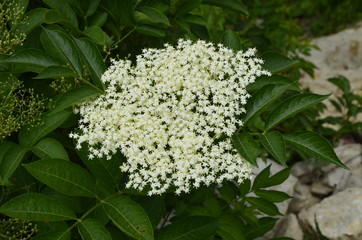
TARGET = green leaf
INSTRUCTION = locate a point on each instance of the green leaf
(278, 178)
(129, 217)
(342, 83)
(54, 17)
(191, 228)
(315, 145)
(55, 72)
(58, 235)
(231, 40)
(92, 59)
(48, 122)
(153, 16)
(275, 62)
(60, 46)
(64, 8)
(99, 19)
(64, 176)
(36, 207)
(292, 106)
(262, 99)
(154, 206)
(263, 206)
(91, 229)
(31, 60)
(50, 148)
(72, 97)
(12, 156)
(261, 180)
(33, 18)
(272, 195)
(274, 79)
(245, 187)
(96, 34)
(234, 5)
(184, 7)
(231, 227)
(264, 225)
(92, 7)
(246, 146)
(151, 31)
(274, 143)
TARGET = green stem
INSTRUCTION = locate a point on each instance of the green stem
(91, 85)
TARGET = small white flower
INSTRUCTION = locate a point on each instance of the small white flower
(167, 115)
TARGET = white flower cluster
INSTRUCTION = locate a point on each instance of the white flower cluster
(172, 115)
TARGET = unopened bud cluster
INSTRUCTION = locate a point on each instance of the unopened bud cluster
(172, 114)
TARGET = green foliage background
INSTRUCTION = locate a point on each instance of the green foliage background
(69, 44)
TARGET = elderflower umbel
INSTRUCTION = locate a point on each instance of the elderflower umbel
(172, 115)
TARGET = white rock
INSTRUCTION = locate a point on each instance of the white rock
(301, 168)
(339, 217)
(288, 226)
(321, 189)
(302, 198)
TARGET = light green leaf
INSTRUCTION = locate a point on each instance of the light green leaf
(192, 228)
(91, 229)
(55, 72)
(272, 195)
(33, 18)
(274, 143)
(275, 62)
(263, 206)
(48, 122)
(73, 97)
(342, 83)
(96, 34)
(12, 156)
(231, 227)
(151, 16)
(235, 5)
(63, 7)
(60, 46)
(231, 40)
(32, 60)
(50, 148)
(64, 176)
(262, 99)
(151, 31)
(292, 106)
(36, 207)
(129, 217)
(315, 145)
(246, 146)
(93, 60)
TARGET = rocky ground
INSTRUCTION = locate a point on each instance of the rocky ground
(327, 195)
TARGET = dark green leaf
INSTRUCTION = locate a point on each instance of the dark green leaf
(129, 217)
(120, 11)
(48, 122)
(235, 5)
(93, 60)
(36, 207)
(245, 187)
(92, 7)
(342, 83)
(264, 225)
(57, 235)
(63, 7)
(50, 148)
(231, 40)
(275, 62)
(278, 178)
(32, 60)
(274, 79)
(154, 206)
(91, 229)
(195, 19)
(55, 72)
(64, 176)
(246, 146)
(191, 228)
(261, 180)
(153, 16)
(151, 31)
(73, 97)
(231, 228)
(33, 18)
(263, 98)
(96, 34)
(99, 19)
(315, 145)
(274, 143)
(264, 206)
(12, 156)
(60, 46)
(292, 106)
(272, 195)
